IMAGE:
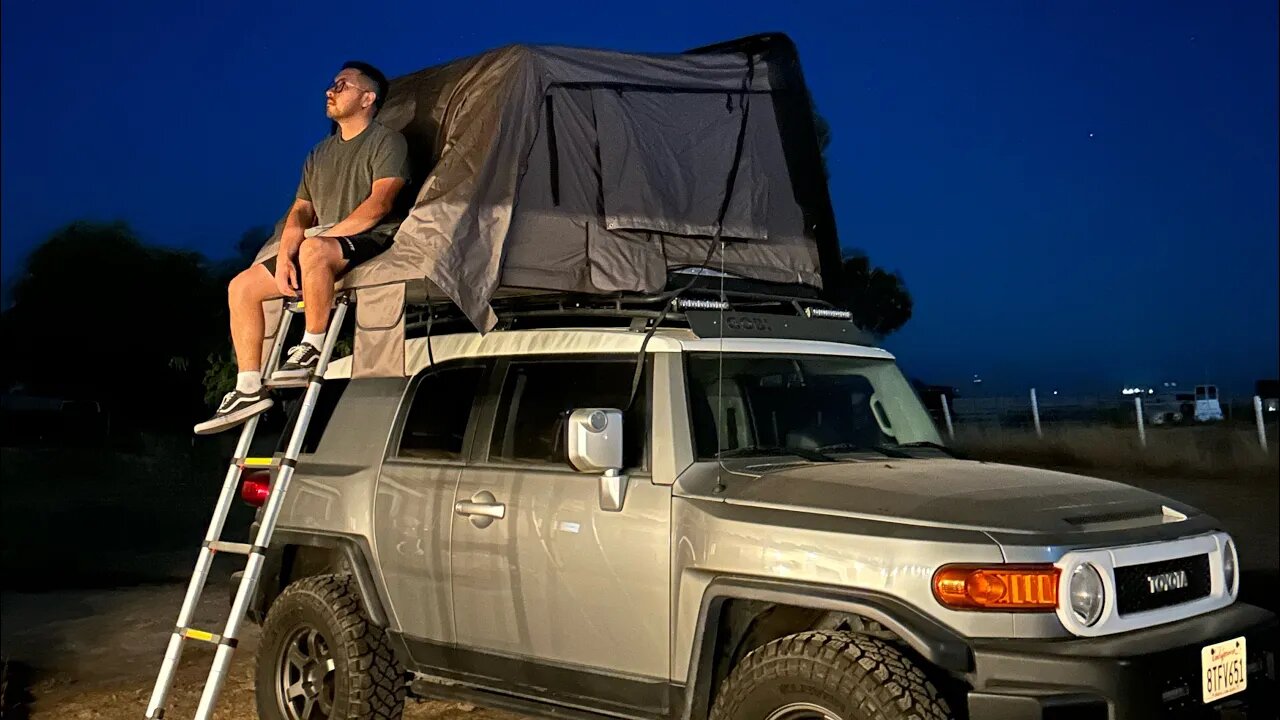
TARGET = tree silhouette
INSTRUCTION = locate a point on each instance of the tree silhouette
(877, 298)
(99, 316)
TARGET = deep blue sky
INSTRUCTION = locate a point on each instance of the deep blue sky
(1078, 194)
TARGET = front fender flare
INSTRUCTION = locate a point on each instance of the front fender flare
(937, 643)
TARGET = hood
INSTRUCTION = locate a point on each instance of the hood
(944, 493)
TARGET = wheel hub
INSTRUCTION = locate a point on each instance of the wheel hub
(305, 687)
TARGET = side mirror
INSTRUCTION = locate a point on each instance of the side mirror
(595, 445)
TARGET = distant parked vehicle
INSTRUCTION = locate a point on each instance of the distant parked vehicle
(1165, 409)
(1269, 391)
(1208, 409)
(35, 420)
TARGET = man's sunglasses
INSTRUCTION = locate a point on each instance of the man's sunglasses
(338, 87)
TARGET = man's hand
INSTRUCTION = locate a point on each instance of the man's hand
(287, 277)
(300, 216)
(370, 212)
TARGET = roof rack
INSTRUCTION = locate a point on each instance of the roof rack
(636, 312)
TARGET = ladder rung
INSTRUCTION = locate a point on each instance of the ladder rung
(231, 547)
(204, 636)
(259, 462)
(300, 382)
(298, 306)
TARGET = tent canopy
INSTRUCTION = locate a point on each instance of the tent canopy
(590, 171)
(573, 171)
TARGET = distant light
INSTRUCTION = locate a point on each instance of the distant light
(1150, 391)
(1055, 392)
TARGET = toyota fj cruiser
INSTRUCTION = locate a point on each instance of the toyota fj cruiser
(726, 513)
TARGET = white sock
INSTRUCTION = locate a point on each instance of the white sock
(249, 381)
(315, 340)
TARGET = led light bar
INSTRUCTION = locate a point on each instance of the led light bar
(696, 304)
(817, 312)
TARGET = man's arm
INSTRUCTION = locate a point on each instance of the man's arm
(300, 217)
(367, 214)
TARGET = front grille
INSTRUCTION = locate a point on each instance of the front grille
(1151, 586)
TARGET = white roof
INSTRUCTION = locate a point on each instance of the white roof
(595, 341)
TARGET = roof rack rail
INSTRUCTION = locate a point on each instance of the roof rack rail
(623, 310)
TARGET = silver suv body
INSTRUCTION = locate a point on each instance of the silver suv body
(821, 511)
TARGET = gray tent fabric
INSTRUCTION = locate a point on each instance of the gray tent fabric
(590, 171)
(379, 336)
(666, 171)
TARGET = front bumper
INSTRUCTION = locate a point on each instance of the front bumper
(1151, 673)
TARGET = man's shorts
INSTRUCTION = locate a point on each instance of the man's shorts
(356, 250)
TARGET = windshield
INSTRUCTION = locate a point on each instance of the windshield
(828, 404)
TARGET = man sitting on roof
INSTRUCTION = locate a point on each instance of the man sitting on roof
(345, 213)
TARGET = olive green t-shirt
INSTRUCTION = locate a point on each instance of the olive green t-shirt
(338, 175)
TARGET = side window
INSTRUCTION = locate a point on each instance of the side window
(538, 396)
(439, 413)
(275, 429)
(326, 403)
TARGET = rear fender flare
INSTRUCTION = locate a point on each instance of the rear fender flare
(357, 556)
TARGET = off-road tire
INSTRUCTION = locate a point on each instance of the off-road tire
(369, 683)
(853, 677)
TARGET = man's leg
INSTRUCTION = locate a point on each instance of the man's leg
(245, 295)
(322, 262)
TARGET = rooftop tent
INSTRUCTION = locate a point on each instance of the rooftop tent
(551, 169)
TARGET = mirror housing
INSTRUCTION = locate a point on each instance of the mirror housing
(595, 439)
(595, 445)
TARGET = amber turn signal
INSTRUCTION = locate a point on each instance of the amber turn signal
(997, 587)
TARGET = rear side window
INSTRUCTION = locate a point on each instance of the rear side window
(275, 428)
(326, 403)
(539, 395)
(437, 422)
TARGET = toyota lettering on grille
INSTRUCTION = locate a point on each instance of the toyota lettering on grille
(1164, 582)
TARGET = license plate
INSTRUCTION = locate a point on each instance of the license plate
(1223, 669)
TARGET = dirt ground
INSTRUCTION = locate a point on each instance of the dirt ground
(93, 655)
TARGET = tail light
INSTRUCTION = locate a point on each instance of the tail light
(256, 487)
(997, 587)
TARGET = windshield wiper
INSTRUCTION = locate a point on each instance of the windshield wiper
(763, 450)
(854, 447)
(933, 446)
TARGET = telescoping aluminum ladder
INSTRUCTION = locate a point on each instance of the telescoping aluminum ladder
(226, 640)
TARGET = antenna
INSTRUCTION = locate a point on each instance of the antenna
(720, 385)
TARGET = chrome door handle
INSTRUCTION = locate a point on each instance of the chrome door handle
(483, 509)
(495, 510)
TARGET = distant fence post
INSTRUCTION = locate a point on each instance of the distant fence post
(1035, 413)
(1257, 416)
(1142, 424)
(946, 414)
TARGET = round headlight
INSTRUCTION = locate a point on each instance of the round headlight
(1087, 594)
(1229, 566)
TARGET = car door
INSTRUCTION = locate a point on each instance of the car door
(413, 508)
(575, 594)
